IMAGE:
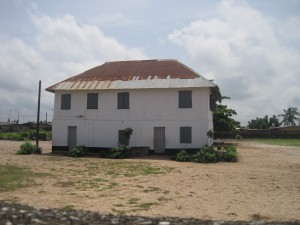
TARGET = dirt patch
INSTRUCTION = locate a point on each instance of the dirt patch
(264, 184)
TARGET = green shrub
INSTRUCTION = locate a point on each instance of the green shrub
(206, 155)
(183, 156)
(78, 151)
(37, 150)
(24, 134)
(230, 154)
(230, 148)
(119, 152)
(27, 148)
(209, 155)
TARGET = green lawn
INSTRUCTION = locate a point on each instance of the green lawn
(13, 177)
(22, 135)
(281, 142)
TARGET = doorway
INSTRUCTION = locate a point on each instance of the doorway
(159, 139)
(72, 137)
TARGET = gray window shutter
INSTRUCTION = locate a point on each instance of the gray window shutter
(123, 100)
(92, 101)
(66, 101)
(122, 139)
(120, 101)
(185, 99)
(126, 100)
(185, 135)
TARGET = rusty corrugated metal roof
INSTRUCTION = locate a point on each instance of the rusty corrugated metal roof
(134, 84)
(141, 74)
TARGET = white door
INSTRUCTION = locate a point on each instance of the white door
(159, 139)
(72, 137)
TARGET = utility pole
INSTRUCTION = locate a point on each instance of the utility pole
(18, 121)
(38, 117)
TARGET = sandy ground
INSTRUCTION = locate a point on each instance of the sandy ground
(264, 184)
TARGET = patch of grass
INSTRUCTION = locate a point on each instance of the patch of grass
(119, 212)
(100, 180)
(119, 205)
(152, 170)
(257, 216)
(112, 185)
(280, 142)
(133, 201)
(65, 184)
(152, 189)
(144, 206)
(132, 169)
(68, 207)
(22, 135)
(13, 177)
(163, 199)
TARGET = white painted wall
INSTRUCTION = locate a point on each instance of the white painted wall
(149, 108)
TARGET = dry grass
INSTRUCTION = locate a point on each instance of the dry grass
(263, 185)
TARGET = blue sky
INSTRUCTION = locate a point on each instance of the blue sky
(250, 48)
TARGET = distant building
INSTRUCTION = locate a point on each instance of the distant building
(167, 104)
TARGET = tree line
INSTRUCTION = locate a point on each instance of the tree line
(223, 121)
(289, 117)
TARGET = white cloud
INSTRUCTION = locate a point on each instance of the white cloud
(248, 59)
(64, 37)
(60, 48)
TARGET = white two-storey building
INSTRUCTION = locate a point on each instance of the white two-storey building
(167, 104)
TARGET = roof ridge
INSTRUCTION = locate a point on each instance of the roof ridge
(141, 60)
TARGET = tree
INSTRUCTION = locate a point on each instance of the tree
(289, 116)
(263, 123)
(222, 118)
(273, 121)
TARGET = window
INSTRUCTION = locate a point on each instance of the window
(66, 101)
(92, 101)
(122, 139)
(185, 99)
(123, 100)
(185, 135)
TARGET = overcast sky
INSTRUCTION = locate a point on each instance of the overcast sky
(250, 48)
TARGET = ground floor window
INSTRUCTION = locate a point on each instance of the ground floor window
(122, 139)
(185, 135)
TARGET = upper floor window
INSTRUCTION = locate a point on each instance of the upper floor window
(123, 100)
(66, 101)
(185, 99)
(92, 101)
(185, 134)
